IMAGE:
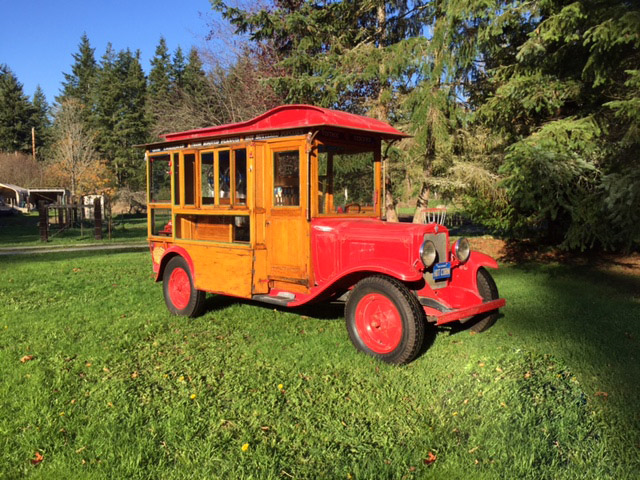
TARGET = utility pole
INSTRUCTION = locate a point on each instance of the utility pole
(33, 142)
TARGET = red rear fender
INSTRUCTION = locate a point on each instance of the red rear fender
(172, 252)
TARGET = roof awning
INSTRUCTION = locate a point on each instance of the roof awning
(290, 117)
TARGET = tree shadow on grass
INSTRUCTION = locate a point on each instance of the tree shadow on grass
(585, 315)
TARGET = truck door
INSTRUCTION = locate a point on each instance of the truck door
(286, 226)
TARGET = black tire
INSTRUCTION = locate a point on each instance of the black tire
(180, 294)
(383, 298)
(488, 290)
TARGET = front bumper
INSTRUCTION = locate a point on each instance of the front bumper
(440, 314)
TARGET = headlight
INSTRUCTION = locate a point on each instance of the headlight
(428, 253)
(462, 249)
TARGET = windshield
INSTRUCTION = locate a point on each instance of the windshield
(346, 180)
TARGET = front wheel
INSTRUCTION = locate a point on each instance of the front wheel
(180, 294)
(385, 320)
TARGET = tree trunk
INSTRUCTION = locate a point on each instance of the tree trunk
(422, 203)
(389, 202)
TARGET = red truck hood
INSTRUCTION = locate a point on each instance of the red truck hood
(342, 245)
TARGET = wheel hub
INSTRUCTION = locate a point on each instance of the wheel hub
(179, 288)
(378, 323)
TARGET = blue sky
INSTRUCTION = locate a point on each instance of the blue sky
(38, 37)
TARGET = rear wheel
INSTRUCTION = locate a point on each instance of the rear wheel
(385, 320)
(180, 294)
(488, 290)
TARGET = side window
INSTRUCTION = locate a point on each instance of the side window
(176, 178)
(241, 176)
(159, 179)
(207, 178)
(286, 178)
(189, 178)
(323, 182)
(224, 177)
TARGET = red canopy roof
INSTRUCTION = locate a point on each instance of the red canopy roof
(292, 117)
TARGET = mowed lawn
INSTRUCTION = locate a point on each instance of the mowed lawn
(98, 380)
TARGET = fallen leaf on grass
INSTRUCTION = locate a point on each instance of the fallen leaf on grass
(602, 394)
(26, 358)
(38, 459)
(430, 459)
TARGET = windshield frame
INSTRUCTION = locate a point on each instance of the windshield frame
(368, 145)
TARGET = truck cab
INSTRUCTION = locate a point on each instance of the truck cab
(286, 209)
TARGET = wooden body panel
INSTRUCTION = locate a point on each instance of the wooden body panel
(192, 227)
(222, 268)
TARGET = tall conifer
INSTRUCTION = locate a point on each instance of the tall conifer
(78, 83)
(16, 114)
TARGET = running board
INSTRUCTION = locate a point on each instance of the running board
(281, 301)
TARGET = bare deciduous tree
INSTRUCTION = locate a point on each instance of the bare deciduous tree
(20, 169)
(74, 153)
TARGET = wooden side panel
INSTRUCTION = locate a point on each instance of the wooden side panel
(222, 269)
(260, 280)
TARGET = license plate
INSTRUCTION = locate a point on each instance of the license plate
(442, 270)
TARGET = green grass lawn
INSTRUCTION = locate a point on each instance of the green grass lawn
(21, 230)
(118, 388)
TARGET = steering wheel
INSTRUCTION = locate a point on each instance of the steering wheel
(347, 207)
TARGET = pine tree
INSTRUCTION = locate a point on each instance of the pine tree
(194, 79)
(16, 114)
(160, 74)
(562, 103)
(78, 83)
(177, 68)
(41, 121)
(119, 115)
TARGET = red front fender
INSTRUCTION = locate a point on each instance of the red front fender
(465, 275)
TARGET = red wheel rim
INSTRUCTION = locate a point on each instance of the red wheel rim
(378, 323)
(179, 288)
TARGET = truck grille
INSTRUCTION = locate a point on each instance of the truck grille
(440, 241)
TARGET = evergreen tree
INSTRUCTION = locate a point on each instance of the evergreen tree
(41, 120)
(337, 54)
(119, 115)
(160, 87)
(177, 68)
(78, 83)
(160, 74)
(16, 114)
(194, 80)
(562, 105)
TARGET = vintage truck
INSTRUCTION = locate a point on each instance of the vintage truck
(285, 209)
